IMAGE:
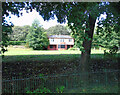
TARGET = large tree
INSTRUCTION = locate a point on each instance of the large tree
(36, 37)
(81, 20)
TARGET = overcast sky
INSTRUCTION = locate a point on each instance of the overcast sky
(28, 18)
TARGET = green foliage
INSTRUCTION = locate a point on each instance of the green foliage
(16, 42)
(80, 24)
(108, 30)
(106, 39)
(7, 26)
(42, 90)
(95, 42)
(112, 51)
(36, 37)
(60, 89)
(27, 45)
(19, 33)
(41, 75)
(58, 30)
(46, 90)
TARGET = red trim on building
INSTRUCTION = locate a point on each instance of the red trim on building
(52, 47)
(55, 47)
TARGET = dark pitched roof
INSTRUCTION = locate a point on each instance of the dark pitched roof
(59, 36)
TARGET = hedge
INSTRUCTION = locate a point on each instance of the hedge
(16, 42)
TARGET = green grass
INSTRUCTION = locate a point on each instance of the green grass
(19, 54)
(29, 51)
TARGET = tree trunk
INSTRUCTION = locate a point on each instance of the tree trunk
(85, 56)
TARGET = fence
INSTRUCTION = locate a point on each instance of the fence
(69, 81)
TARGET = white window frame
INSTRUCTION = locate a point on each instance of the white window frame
(61, 40)
(52, 40)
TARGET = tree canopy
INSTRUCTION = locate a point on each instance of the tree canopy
(58, 30)
(19, 33)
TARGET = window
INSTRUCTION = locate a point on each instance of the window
(52, 40)
(61, 40)
(58, 46)
(68, 46)
(62, 46)
(70, 40)
(51, 46)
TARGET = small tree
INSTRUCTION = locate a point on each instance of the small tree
(36, 37)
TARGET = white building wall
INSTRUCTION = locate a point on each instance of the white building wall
(58, 41)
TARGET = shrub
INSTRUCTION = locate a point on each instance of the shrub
(42, 90)
(112, 51)
(60, 89)
(27, 45)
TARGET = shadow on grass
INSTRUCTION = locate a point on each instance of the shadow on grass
(50, 57)
(47, 64)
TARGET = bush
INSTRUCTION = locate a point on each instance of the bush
(16, 42)
(27, 45)
(112, 51)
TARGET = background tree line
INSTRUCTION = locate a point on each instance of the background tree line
(19, 33)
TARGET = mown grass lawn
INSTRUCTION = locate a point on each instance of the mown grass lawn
(29, 55)
(29, 51)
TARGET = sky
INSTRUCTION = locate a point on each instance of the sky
(28, 18)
